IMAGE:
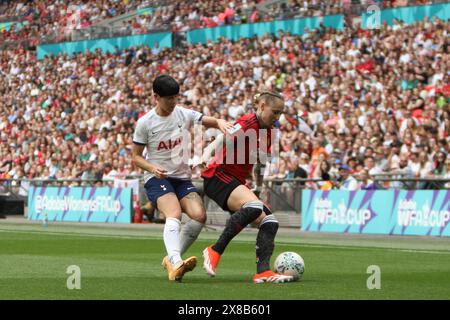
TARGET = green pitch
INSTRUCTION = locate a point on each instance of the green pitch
(125, 263)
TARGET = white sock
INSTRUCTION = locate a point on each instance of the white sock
(172, 239)
(189, 233)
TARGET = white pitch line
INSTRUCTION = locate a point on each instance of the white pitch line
(293, 244)
(362, 247)
(423, 251)
(81, 234)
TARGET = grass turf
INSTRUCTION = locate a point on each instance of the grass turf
(118, 264)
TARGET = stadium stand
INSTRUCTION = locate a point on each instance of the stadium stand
(56, 21)
(376, 99)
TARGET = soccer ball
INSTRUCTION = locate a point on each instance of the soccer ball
(290, 264)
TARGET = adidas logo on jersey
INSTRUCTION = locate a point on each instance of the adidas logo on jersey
(169, 145)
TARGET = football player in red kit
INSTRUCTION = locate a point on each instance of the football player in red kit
(224, 182)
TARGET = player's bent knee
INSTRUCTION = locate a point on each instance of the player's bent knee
(267, 211)
(252, 209)
(255, 224)
(258, 220)
(200, 217)
(173, 214)
(256, 204)
(269, 219)
(196, 213)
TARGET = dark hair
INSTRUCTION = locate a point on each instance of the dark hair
(165, 86)
(328, 167)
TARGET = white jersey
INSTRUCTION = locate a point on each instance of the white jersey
(165, 138)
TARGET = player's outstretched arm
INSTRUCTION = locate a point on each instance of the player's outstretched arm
(212, 148)
(222, 140)
(220, 124)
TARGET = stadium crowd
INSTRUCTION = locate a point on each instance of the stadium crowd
(49, 21)
(376, 100)
(188, 15)
(39, 19)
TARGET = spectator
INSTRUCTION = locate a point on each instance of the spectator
(88, 171)
(370, 165)
(322, 172)
(294, 170)
(403, 171)
(439, 171)
(288, 137)
(304, 163)
(425, 169)
(447, 172)
(346, 181)
(439, 166)
(366, 182)
(317, 151)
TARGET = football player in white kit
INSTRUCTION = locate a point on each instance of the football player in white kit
(168, 176)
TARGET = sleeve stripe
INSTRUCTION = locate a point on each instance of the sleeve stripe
(139, 143)
(201, 117)
(250, 122)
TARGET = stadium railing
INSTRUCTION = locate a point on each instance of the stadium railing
(8, 18)
(281, 194)
(100, 32)
(286, 194)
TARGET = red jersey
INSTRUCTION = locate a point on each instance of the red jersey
(246, 132)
